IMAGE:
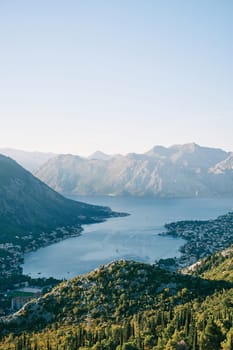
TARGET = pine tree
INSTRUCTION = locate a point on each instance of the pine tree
(211, 337)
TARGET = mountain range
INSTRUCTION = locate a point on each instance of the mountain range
(187, 170)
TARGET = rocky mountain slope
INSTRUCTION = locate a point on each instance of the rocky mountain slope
(179, 171)
(223, 167)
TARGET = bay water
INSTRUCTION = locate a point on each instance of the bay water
(132, 237)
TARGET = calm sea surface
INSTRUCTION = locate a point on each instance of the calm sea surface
(132, 237)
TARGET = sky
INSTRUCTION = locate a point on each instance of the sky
(115, 75)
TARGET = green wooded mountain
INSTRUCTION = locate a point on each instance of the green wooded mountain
(28, 206)
(131, 306)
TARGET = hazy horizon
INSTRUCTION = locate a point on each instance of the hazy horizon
(108, 153)
(119, 77)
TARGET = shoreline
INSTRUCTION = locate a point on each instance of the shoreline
(11, 269)
(203, 237)
(11, 264)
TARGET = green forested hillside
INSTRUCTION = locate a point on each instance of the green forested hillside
(217, 266)
(128, 305)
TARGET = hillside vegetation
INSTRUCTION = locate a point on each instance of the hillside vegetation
(216, 267)
(129, 305)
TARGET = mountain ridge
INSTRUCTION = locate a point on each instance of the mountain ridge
(177, 171)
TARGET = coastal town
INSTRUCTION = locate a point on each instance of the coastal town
(15, 288)
(202, 238)
(11, 254)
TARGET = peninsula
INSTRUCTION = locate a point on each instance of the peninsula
(203, 237)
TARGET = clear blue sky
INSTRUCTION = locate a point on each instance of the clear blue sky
(115, 75)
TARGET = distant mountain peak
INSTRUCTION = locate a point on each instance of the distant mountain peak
(188, 147)
(159, 151)
(99, 155)
(31, 160)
